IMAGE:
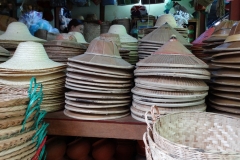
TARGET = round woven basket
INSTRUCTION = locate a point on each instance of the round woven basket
(194, 135)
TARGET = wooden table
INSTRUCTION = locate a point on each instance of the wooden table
(123, 128)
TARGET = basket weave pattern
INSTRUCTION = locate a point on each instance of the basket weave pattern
(191, 135)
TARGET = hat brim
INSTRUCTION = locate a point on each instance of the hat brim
(105, 61)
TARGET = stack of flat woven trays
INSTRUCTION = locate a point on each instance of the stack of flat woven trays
(172, 78)
(22, 129)
(217, 38)
(101, 83)
(155, 39)
(226, 80)
(16, 33)
(30, 59)
(193, 135)
(128, 42)
(197, 44)
(66, 46)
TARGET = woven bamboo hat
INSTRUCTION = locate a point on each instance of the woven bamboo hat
(18, 31)
(166, 18)
(111, 37)
(121, 30)
(234, 34)
(66, 37)
(79, 37)
(102, 53)
(173, 54)
(162, 35)
(29, 56)
(221, 31)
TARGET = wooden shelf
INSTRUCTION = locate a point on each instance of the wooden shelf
(123, 128)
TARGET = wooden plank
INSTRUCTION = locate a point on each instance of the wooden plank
(123, 128)
(234, 10)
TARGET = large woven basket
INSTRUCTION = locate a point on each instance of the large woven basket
(195, 135)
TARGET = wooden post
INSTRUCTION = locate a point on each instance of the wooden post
(56, 16)
(234, 10)
(102, 12)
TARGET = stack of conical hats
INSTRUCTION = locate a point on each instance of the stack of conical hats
(116, 39)
(197, 44)
(154, 40)
(128, 42)
(17, 32)
(226, 80)
(217, 38)
(66, 46)
(168, 18)
(172, 78)
(30, 59)
(101, 83)
(21, 122)
(4, 54)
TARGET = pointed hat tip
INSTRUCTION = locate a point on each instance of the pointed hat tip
(173, 38)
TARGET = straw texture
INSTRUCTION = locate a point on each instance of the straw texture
(17, 31)
(166, 18)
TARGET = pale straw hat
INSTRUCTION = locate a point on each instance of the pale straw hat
(4, 52)
(18, 31)
(29, 56)
(166, 18)
(66, 37)
(121, 30)
(80, 38)
(234, 34)
(102, 53)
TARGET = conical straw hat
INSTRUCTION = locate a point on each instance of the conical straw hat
(221, 31)
(166, 18)
(173, 54)
(111, 37)
(121, 30)
(102, 53)
(162, 35)
(18, 31)
(29, 56)
(79, 37)
(234, 34)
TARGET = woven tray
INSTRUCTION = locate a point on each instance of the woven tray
(15, 141)
(224, 102)
(186, 104)
(226, 65)
(227, 81)
(92, 100)
(167, 100)
(95, 105)
(225, 88)
(7, 154)
(100, 111)
(103, 89)
(100, 69)
(173, 83)
(68, 44)
(226, 73)
(109, 85)
(227, 95)
(180, 75)
(172, 70)
(168, 94)
(196, 139)
(173, 60)
(166, 110)
(79, 71)
(93, 117)
(97, 79)
(233, 59)
(226, 109)
(98, 96)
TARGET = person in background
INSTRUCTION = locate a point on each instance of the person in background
(76, 25)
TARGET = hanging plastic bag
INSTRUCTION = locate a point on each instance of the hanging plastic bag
(34, 22)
